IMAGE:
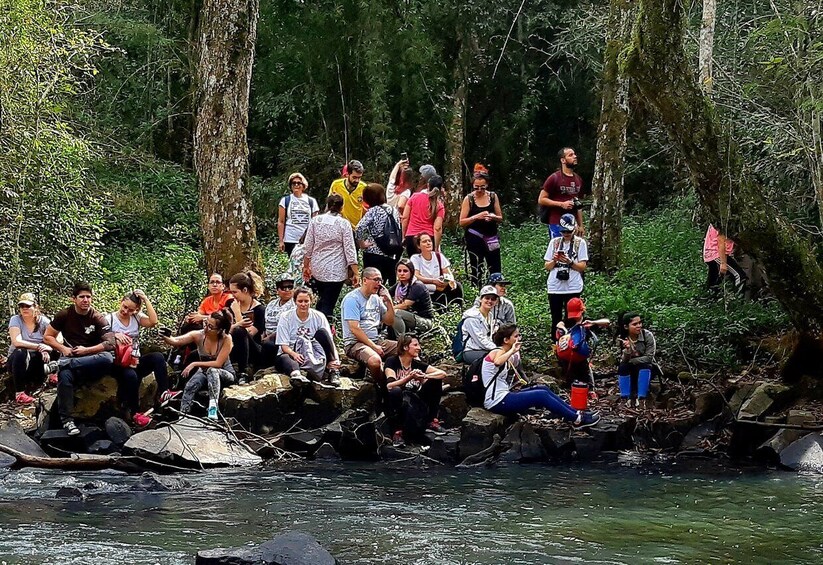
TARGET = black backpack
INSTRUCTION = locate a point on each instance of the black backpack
(473, 382)
(390, 241)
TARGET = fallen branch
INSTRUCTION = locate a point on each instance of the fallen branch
(75, 462)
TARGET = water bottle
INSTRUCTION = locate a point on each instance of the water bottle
(177, 361)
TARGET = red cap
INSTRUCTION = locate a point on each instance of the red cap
(575, 308)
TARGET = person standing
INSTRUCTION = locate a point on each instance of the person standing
(86, 351)
(329, 255)
(350, 188)
(718, 253)
(480, 216)
(294, 212)
(424, 214)
(559, 191)
(565, 260)
(377, 223)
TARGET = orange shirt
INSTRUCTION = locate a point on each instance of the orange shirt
(209, 305)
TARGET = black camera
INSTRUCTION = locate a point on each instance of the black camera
(562, 273)
(578, 204)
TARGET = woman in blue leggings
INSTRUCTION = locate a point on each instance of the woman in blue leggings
(498, 373)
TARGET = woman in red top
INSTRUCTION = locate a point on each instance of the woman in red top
(217, 299)
(424, 213)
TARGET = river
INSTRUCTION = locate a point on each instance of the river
(364, 514)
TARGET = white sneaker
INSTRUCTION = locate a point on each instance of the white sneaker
(71, 428)
(299, 377)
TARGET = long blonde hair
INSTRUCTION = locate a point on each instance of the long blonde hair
(435, 193)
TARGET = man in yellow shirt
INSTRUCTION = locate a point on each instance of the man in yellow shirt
(350, 188)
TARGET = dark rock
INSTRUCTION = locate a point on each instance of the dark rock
(58, 442)
(332, 434)
(74, 493)
(746, 438)
(526, 445)
(707, 403)
(446, 448)
(588, 447)
(102, 447)
(191, 443)
(805, 454)
(698, 435)
(477, 431)
(326, 453)
(267, 401)
(151, 482)
(771, 449)
(740, 395)
(303, 443)
(358, 440)
(6, 460)
(290, 548)
(46, 414)
(453, 408)
(762, 399)
(118, 430)
(13, 436)
(800, 418)
(557, 442)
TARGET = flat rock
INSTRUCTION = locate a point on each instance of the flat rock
(191, 443)
(477, 431)
(290, 548)
(761, 400)
(13, 436)
(805, 454)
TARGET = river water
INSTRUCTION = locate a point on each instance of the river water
(376, 514)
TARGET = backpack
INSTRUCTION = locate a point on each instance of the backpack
(574, 345)
(314, 355)
(390, 240)
(473, 385)
(458, 343)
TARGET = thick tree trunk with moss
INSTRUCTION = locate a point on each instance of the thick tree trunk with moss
(607, 183)
(225, 51)
(658, 65)
(456, 134)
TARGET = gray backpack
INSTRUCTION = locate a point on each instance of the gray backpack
(314, 357)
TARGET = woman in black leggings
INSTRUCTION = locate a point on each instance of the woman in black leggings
(480, 215)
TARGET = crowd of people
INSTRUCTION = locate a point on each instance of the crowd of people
(384, 318)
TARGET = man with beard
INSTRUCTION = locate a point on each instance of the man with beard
(350, 188)
(560, 190)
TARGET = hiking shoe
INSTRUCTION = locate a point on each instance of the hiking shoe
(586, 419)
(71, 428)
(334, 378)
(23, 398)
(397, 439)
(169, 394)
(297, 378)
(435, 426)
(50, 368)
(243, 379)
(141, 420)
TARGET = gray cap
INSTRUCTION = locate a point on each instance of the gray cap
(427, 172)
(283, 277)
(487, 290)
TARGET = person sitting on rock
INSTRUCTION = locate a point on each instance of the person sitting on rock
(213, 369)
(364, 310)
(637, 349)
(249, 322)
(433, 269)
(503, 311)
(217, 298)
(575, 342)
(414, 391)
(86, 350)
(29, 358)
(283, 302)
(413, 311)
(125, 323)
(300, 331)
(478, 326)
(504, 393)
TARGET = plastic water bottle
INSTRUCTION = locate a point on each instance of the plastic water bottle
(177, 361)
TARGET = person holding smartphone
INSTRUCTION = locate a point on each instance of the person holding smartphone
(249, 322)
(565, 260)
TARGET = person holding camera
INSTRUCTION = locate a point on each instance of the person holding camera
(566, 258)
(559, 192)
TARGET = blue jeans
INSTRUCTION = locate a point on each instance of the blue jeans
(76, 370)
(536, 396)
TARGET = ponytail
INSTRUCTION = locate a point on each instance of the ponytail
(435, 192)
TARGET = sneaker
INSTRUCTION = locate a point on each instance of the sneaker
(334, 377)
(243, 379)
(435, 426)
(141, 420)
(628, 403)
(397, 439)
(297, 378)
(638, 402)
(50, 368)
(212, 414)
(170, 394)
(586, 419)
(23, 398)
(71, 428)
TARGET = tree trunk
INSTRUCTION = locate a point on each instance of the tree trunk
(607, 183)
(658, 65)
(456, 135)
(226, 37)
(707, 44)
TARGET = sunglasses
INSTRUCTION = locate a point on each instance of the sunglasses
(285, 287)
(296, 183)
(25, 305)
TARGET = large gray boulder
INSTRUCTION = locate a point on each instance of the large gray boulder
(478, 429)
(761, 400)
(265, 402)
(13, 436)
(526, 445)
(806, 454)
(290, 548)
(191, 443)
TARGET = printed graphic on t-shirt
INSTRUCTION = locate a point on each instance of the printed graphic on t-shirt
(299, 212)
(89, 329)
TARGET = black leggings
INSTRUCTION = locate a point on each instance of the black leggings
(327, 295)
(734, 270)
(448, 295)
(128, 378)
(478, 254)
(557, 306)
(386, 265)
(245, 350)
(287, 365)
(429, 393)
(27, 369)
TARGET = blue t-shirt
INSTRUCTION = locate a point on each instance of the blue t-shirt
(36, 336)
(368, 311)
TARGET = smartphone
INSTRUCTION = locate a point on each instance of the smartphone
(249, 315)
(165, 332)
(404, 156)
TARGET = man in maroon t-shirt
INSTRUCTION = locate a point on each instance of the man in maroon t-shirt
(559, 190)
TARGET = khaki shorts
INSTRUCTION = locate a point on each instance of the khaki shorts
(362, 352)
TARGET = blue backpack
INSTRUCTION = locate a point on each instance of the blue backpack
(458, 343)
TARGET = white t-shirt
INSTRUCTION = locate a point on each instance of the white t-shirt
(431, 268)
(290, 327)
(575, 282)
(298, 215)
(496, 392)
(273, 311)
